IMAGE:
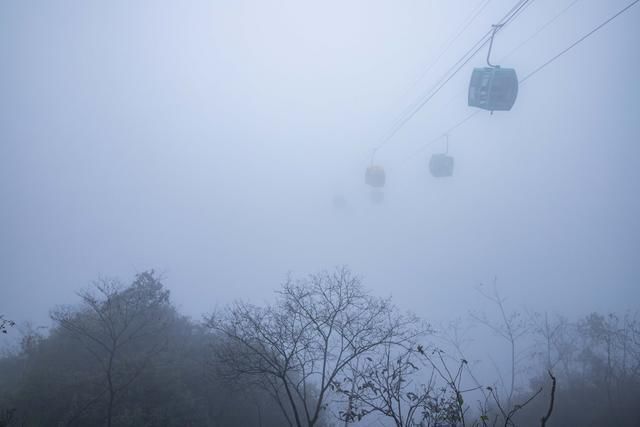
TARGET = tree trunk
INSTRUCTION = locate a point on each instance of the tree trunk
(111, 390)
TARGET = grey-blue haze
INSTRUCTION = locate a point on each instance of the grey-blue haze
(207, 139)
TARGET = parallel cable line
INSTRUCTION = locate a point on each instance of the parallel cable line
(472, 17)
(453, 71)
(540, 29)
(580, 40)
(532, 73)
(423, 146)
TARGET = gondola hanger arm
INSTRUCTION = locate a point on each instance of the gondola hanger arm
(496, 27)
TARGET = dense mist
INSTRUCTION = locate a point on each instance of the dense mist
(224, 145)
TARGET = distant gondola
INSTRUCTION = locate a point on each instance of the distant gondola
(375, 176)
(441, 165)
(339, 202)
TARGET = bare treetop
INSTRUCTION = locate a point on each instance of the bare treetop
(317, 326)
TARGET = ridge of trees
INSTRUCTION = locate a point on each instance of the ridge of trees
(325, 353)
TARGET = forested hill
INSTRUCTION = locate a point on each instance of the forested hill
(324, 353)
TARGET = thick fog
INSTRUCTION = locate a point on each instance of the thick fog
(224, 144)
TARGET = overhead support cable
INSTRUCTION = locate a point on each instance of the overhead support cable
(453, 71)
(577, 42)
(474, 15)
(533, 72)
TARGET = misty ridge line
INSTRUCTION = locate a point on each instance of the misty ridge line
(325, 349)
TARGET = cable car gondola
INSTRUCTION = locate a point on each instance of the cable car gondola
(441, 164)
(493, 88)
(339, 202)
(375, 176)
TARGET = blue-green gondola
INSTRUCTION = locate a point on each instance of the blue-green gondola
(493, 88)
(375, 176)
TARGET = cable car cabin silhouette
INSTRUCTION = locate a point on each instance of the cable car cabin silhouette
(493, 88)
(375, 176)
(339, 202)
(441, 165)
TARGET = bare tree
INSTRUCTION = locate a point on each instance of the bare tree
(5, 324)
(389, 384)
(317, 327)
(454, 336)
(611, 355)
(119, 327)
(555, 341)
(511, 326)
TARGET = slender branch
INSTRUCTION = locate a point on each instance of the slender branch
(543, 421)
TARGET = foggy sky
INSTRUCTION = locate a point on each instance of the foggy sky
(206, 139)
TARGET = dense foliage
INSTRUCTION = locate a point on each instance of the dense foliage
(161, 368)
